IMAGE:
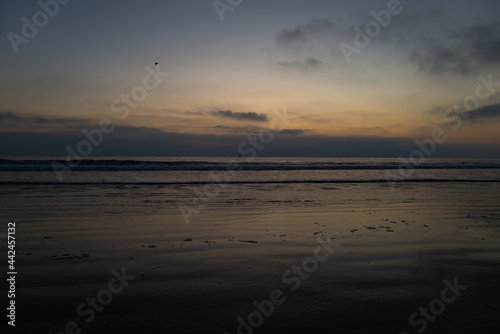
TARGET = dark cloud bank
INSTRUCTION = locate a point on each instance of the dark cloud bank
(132, 141)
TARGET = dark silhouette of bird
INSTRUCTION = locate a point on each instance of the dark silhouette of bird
(156, 63)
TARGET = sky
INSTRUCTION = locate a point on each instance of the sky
(363, 78)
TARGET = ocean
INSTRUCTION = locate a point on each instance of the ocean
(200, 170)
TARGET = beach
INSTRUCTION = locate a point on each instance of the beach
(351, 257)
(250, 167)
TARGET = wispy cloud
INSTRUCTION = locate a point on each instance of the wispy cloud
(238, 129)
(256, 130)
(10, 116)
(294, 132)
(462, 51)
(300, 35)
(309, 63)
(17, 119)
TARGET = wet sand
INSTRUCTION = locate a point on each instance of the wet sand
(390, 255)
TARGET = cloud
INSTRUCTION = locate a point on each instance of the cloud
(432, 40)
(248, 116)
(299, 35)
(293, 132)
(59, 120)
(309, 63)
(318, 38)
(238, 129)
(252, 130)
(28, 120)
(184, 112)
(10, 116)
(480, 115)
(486, 112)
(462, 51)
(143, 141)
(224, 127)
